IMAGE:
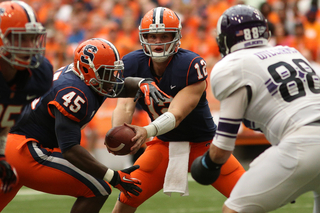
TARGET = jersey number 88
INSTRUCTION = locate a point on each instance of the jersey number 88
(292, 87)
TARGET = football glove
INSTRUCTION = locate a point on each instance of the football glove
(8, 175)
(149, 89)
(204, 171)
(125, 183)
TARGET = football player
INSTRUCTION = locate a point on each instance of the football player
(272, 89)
(182, 125)
(44, 146)
(25, 73)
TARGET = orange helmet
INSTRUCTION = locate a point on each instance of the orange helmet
(22, 37)
(97, 62)
(160, 20)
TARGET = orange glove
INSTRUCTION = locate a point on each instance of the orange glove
(125, 183)
(149, 89)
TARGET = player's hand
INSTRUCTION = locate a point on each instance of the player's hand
(139, 139)
(125, 183)
(204, 171)
(150, 90)
(8, 175)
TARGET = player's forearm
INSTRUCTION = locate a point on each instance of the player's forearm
(82, 159)
(131, 87)
(217, 155)
(121, 118)
(123, 113)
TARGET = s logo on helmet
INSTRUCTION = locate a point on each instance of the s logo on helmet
(88, 52)
(2, 11)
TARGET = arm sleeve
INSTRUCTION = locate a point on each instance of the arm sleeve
(197, 71)
(232, 110)
(68, 132)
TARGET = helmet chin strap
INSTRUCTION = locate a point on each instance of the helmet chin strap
(18, 63)
(157, 57)
(79, 73)
(161, 57)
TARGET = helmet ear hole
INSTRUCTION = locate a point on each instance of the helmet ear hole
(85, 69)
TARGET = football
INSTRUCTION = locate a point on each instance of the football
(118, 140)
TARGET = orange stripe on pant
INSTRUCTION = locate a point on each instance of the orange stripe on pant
(48, 172)
(153, 164)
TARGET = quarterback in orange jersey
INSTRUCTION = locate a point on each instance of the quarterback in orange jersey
(182, 125)
(44, 145)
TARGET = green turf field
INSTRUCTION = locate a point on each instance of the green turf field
(202, 199)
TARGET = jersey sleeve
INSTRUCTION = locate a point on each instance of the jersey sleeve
(232, 111)
(226, 77)
(196, 71)
(71, 102)
(67, 131)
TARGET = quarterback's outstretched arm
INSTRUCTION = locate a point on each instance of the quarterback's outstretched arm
(123, 112)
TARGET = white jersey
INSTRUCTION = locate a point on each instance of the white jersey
(284, 88)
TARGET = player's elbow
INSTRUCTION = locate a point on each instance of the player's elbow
(70, 153)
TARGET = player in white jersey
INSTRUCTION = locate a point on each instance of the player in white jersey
(271, 89)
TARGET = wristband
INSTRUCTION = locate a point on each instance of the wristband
(163, 124)
(151, 130)
(140, 82)
(109, 175)
(208, 163)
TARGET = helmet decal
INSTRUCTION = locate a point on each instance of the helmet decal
(2, 11)
(88, 52)
(158, 15)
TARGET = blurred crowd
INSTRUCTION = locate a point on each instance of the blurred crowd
(71, 21)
